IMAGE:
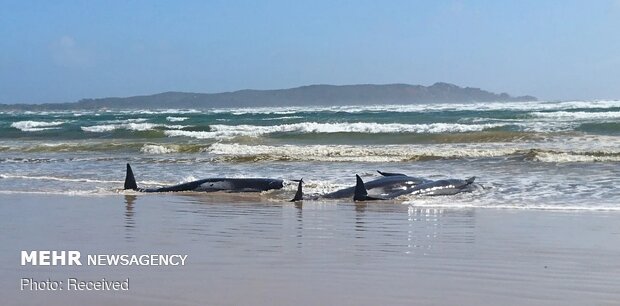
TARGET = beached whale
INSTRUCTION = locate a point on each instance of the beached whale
(387, 183)
(393, 185)
(430, 188)
(210, 184)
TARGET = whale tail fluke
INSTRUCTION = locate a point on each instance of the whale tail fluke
(299, 195)
(361, 194)
(130, 180)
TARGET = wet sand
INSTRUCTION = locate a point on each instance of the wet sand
(250, 251)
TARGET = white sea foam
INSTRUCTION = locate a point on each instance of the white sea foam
(40, 129)
(390, 153)
(175, 126)
(429, 107)
(81, 113)
(159, 149)
(193, 134)
(128, 126)
(261, 110)
(160, 111)
(220, 131)
(564, 115)
(99, 128)
(34, 126)
(545, 152)
(570, 157)
(176, 119)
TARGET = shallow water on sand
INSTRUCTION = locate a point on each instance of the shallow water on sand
(507, 183)
(245, 250)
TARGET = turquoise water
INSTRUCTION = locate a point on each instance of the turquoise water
(401, 124)
(530, 154)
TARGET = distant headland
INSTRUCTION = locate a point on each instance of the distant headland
(364, 94)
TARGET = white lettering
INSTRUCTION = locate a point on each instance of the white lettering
(44, 258)
(33, 285)
(29, 257)
(74, 258)
(183, 257)
(56, 257)
(50, 258)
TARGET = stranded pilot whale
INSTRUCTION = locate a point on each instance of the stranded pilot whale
(387, 183)
(394, 185)
(430, 188)
(210, 184)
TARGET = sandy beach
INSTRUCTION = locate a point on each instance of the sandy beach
(257, 252)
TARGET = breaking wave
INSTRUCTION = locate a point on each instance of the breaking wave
(128, 126)
(573, 157)
(239, 152)
(176, 119)
(577, 115)
(220, 131)
(159, 149)
(172, 111)
(103, 146)
(429, 107)
(35, 126)
(399, 153)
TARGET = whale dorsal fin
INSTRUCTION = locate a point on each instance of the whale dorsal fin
(299, 195)
(470, 180)
(361, 194)
(130, 180)
(360, 189)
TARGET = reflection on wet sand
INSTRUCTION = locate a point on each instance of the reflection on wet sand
(360, 209)
(299, 205)
(130, 223)
(379, 226)
(429, 228)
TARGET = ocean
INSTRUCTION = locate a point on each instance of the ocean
(527, 155)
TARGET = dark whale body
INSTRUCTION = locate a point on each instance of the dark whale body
(210, 184)
(393, 185)
(440, 187)
(430, 188)
(388, 183)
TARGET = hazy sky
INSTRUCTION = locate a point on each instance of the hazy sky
(56, 51)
